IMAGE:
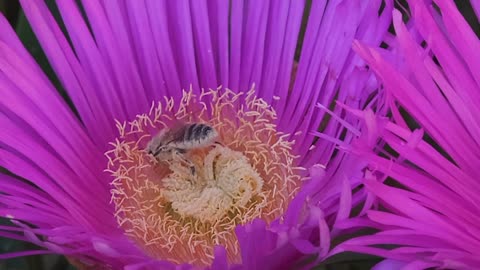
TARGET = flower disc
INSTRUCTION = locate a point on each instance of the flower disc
(179, 214)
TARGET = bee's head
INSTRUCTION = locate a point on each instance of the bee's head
(156, 149)
(157, 145)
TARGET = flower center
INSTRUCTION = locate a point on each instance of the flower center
(225, 186)
(179, 204)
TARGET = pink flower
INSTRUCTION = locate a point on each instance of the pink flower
(261, 198)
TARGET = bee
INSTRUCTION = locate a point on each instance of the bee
(173, 143)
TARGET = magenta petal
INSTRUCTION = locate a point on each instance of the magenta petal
(389, 265)
(281, 35)
(254, 240)
(23, 253)
(89, 56)
(220, 262)
(69, 71)
(113, 47)
(203, 45)
(178, 14)
(150, 70)
(430, 212)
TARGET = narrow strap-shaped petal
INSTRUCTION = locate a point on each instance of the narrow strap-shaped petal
(431, 211)
(455, 69)
(118, 57)
(24, 253)
(18, 188)
(91, 60)
(164, 46)
(203, 45)
(476, 7)
(354, 83)
(422, 110)
(236, 30)
(145, 49)
(70, 73)
(458, 32)
(280, 13)
(37, 157)
(286, 64)
(218, 14)
(180, 24)
(61, 130)
(253, 43)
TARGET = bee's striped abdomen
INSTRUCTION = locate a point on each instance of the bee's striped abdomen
(195, 135)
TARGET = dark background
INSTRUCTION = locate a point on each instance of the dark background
(11, 9)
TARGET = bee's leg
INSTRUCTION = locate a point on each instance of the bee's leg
(180, 153)
(192, 166)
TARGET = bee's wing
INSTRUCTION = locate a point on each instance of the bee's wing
(179, 132)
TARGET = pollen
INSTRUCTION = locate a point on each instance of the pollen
(178, 214)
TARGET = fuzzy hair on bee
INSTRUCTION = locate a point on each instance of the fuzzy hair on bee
(181, 139)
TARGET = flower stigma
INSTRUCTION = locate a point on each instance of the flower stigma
(178, 214)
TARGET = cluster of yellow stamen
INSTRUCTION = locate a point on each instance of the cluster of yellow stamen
(180, 216)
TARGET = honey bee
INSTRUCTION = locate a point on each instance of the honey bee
(173, 143)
